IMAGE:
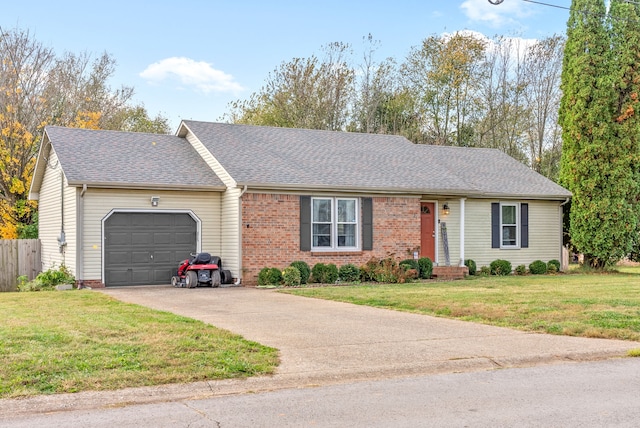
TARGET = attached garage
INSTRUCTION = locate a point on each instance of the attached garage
(145, 247)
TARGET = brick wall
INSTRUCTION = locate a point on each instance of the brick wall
(271, 235)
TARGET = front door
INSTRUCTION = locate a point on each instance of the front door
(427, 230)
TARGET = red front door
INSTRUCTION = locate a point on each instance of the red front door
(427, 230)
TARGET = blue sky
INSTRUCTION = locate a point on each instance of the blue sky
(188, 59)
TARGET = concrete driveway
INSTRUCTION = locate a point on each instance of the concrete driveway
(323, 342)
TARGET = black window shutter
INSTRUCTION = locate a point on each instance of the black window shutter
(495, 225)
(367, 224)
(305, 223)
(524, 225)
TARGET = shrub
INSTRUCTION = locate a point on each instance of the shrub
(291, 276)
(304, 269)
(521, 270)
(269, 276)
(368, 270)
(500, 267)
(263, 276)
(553, 266)
(47, 280)
(485, 271)
(472, 266)
(331, 274)
(349, 273)
(538, 267)
(410, 264)
(325, 274)
(425, 267)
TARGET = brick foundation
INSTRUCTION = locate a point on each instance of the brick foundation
(93, 283)
(271, 233)
(450, 272)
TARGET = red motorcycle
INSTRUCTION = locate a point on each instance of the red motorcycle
(201, 269)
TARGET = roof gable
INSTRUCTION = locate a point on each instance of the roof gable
(101, 158)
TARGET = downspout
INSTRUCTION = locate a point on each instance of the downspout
(239, 279)
(562, 231)
(462, 215)
(80, 238)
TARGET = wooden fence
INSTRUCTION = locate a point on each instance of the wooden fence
(18, 257)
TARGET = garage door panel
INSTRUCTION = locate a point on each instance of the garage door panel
(164, 257)
(119, 238)
(132, 238)
(184, 238)
(162, 238)
(118, 277)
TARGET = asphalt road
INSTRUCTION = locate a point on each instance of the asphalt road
(596, 394)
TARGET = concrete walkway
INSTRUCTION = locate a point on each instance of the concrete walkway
(323, 342)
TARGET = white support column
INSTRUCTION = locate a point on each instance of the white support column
(462, 231)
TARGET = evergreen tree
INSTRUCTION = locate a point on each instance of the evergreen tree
(599, 129)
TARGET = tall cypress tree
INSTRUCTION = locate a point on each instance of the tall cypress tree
(599, 129)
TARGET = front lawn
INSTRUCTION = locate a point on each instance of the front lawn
(587, 305)
(56, 342)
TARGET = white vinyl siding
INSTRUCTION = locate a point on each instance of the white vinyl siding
(230, 231)
(545, 239)
(50, 217)
(230, 210)
(98, 203)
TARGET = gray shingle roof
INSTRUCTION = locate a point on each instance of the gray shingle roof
(299, 158)
(128, 159)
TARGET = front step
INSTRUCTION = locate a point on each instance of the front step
(448, 273)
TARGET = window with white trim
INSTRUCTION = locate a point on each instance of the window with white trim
(334, 223)
(509, 226)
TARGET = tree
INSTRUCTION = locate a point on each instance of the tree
(542, 68)
(599, 128)
(441, 76)
(38, 88)
(303, 93)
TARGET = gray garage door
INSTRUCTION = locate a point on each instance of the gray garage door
(145, 248)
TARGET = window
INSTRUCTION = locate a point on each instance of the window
(334, 223)
(509, 225)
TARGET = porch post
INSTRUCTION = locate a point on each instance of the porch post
(462, 231)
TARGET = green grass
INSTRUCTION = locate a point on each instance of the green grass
(587, 305)
(57, 342)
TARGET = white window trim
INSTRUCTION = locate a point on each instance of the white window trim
(517, 224)
(334, 225)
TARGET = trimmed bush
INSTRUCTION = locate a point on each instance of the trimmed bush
(324, 274)
(485, 271)
(472, 266)
(349, 273)
(291, 276)
(410, 264)
(500, 267)
(305, 270)
(538, 267)
(553, 266)
(264, 276)
(331, 275)
(521, 270)
(425, 266)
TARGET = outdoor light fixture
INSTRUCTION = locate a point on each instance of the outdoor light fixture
(155, 200)
(445, 209)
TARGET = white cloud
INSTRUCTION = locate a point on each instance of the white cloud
(188, 72)
(505, 13)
